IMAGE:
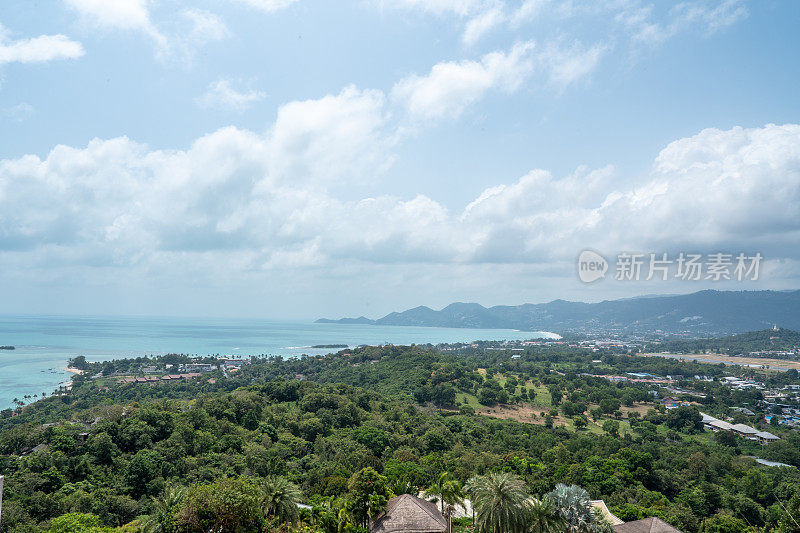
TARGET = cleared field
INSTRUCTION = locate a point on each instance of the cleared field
(520, 413)
(754, 362)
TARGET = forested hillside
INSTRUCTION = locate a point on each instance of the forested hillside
(345, 432)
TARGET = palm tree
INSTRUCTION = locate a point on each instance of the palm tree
(280, 499)
(543, 518)
(162, 518)
(434, 492)
(572, 505)
(453, 495)
(500, 503)
(404, 486)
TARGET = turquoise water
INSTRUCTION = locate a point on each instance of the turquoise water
(45, 343)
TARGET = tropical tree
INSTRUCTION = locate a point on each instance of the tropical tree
(77, 523)
(500, 501)
(367, 495)
(453, 495)
(281, 497)
(162, 519)
(227, 505)
(542, 517)
(437, 489)
(572, 505)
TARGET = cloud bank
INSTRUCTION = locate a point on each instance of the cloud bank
(272, 200)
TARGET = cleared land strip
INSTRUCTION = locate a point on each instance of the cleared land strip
(715, 358)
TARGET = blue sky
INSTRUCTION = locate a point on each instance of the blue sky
(301, 158)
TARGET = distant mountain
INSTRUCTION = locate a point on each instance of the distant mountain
(359, 320)
(704, 313)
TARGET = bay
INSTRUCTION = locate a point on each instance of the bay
(44, 344)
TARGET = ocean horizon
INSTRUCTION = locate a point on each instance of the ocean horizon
(44, 343)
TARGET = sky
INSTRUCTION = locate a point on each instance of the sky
(302, 158)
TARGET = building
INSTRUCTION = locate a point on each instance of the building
(600, 505)
(646, 525)
(745, 431)
(409, 514)
(197, 367)
(713, 424)
(765, 437)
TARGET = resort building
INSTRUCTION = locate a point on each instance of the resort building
(763, 437)
(646, 525)
(409, 514)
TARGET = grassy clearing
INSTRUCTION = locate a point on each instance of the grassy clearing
(468, 399)
(543, 400)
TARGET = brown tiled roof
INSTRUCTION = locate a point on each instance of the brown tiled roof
(409, 514)
(647, 525)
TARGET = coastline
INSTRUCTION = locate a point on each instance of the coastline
(40, 360)
(73, 370)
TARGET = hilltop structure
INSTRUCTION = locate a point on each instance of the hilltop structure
(409, 514)
(646, 525)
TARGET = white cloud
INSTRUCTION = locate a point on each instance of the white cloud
(705, 16)
(635, 21)
(482, 24)
(116, 14)
(220, 94)
(267, 5)
(528, 10)
(19, 112)
(481, 16)
(450, 87)
(337, 137)
(437, 7)
(254, 202)
(194, 27)
(568, 65)
(205, 26)
(37, 49)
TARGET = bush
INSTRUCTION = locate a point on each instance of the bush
(77, 523)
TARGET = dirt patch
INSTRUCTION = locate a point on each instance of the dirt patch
(641, 409)
(520, 413)
(753, 362)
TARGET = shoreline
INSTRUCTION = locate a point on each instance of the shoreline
(73, 370)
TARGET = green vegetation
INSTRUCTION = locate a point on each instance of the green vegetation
(239, 452)
(769, 340)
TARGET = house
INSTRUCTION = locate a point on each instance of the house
(409, 514)
(765, 437)
(646, 525)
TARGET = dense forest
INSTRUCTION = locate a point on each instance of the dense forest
(237, 451)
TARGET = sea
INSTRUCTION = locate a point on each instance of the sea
(44, 344)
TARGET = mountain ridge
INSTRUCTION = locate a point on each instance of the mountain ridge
(706, 312)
